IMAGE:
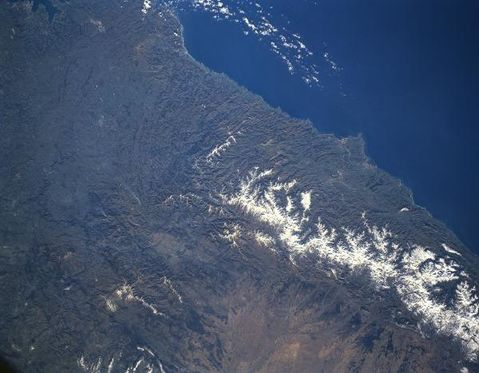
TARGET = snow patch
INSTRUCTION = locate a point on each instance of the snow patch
(449, 250)
(306, 200)
(231, 233)
(263, 239)
(170, 286)
(126, 293)
(90, 367)
(218, 150)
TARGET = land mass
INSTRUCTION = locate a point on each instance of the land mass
(156, 216)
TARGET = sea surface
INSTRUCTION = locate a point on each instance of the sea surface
(404, 74)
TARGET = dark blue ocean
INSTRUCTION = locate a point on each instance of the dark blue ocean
(409, 84)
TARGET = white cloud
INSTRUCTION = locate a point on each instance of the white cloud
(257, 20)
(146, 6)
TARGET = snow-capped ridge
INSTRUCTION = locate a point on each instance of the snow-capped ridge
(413, 272)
